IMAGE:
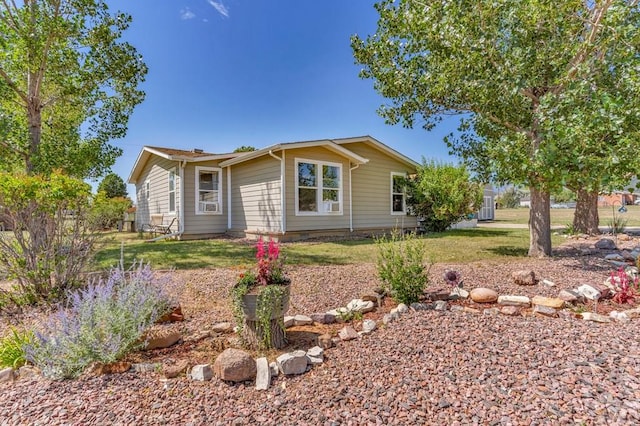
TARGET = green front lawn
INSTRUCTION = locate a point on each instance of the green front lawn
(455, 246)
(562, 217)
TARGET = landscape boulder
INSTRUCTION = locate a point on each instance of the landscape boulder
(234, 365)
(524, 277)
(605, 244)
(483, 295)
(293, 363)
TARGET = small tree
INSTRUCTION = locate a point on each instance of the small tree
(106, 212)
(442, 194)
(113, 186)
(50, 244)
(510, 198)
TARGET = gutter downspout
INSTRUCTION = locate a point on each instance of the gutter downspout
(283, 205)
(229, 198)
(351, 198)
(182, 165)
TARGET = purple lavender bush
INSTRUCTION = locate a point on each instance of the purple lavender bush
(102, 322)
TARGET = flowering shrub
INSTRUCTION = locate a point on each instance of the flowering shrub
(102, 322)
(401, 266)
(625, 287)
(271, 282)
(269, 263)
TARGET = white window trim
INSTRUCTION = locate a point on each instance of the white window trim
(404, 196)
(197, 187)
(175, 200)
(319, 165)
(147, 189)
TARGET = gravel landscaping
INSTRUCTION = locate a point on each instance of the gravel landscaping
(428, 367)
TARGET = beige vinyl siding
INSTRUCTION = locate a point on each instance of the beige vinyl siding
(203, 224)
(256, 195)
(156, 171)
(371, 186)
(315, 222)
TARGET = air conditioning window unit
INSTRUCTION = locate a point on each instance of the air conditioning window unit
(209, 207)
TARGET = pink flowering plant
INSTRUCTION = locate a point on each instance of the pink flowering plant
(625, 287)
(269, 268)
(268, 281)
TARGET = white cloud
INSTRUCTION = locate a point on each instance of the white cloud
(186, 14)
(221, 8)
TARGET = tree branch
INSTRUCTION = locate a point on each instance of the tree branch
(13, 85)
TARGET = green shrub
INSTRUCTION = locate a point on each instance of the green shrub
(50, 244)
(442, 194)
(12, 348)
(106, 212)
(102, 323)
(401, 266)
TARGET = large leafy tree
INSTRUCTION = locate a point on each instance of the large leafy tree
(506, 67)
(113, 186)
(68, 85)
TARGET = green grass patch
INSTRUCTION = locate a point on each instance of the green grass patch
(562, 217)
(455, 246)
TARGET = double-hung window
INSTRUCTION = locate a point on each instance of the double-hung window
(147, 189)
(398, 195)
(172, 191)
(208, 190)
(318, 187)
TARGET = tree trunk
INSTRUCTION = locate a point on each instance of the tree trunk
(539, 224)
(585, 219)
(253, 334)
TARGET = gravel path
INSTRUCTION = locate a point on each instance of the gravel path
(439, 368)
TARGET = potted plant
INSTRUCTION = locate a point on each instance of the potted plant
(261, 298)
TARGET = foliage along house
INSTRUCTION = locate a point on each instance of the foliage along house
(289, 190)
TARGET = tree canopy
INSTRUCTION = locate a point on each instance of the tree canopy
(516, 72)
(68, 85)
(113, 186)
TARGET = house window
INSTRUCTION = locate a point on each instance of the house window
(172, 191)
(208, 191)
(147, 189)
(398, 195)
(318, 187)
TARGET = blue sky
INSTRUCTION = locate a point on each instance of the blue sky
(228, 73)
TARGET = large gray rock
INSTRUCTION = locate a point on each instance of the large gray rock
(293, 362)
(263, 374)
(362, 306)
(605, 244)
(546, 311)
(315, 355)
(368, 326)
(483, 295)
(323, 318)
(201, 372)
(234, 365)
(589, 292)
(570, 296)
(524, 277)
(302, 320)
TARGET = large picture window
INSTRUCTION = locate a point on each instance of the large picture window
(172, 191)
(208, 190)
(398, 195)
(318, 187)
